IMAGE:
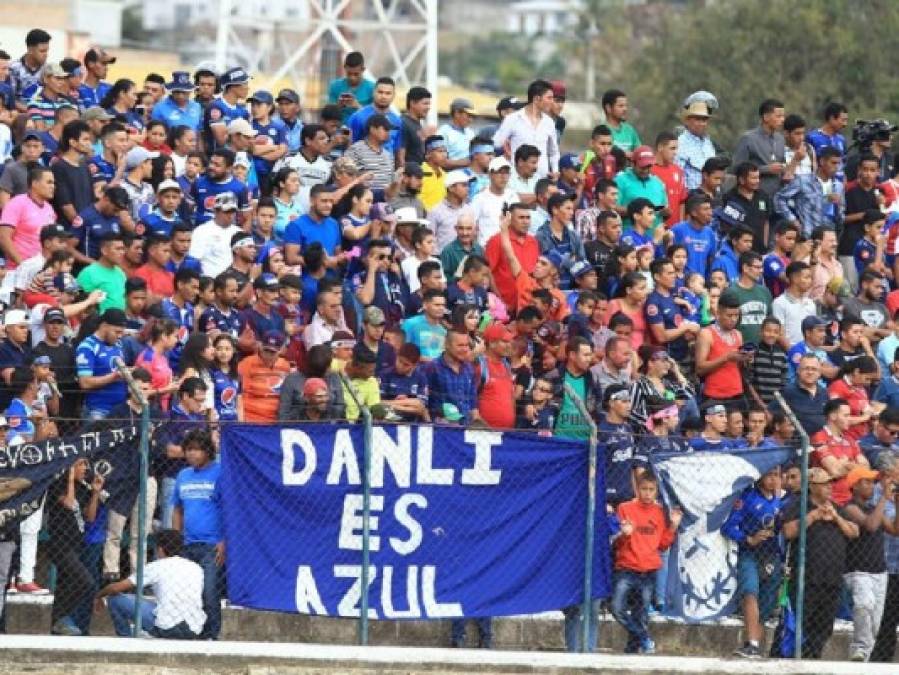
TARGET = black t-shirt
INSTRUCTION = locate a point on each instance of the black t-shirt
(751, 213)
(73, 187)
(599, 254)
(62, 361)
(858, 200)
(414, 146)
(825, 556)
(66, 525)
(839, 356)
(865, 554)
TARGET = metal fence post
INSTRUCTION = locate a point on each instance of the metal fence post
(142, 493)
(586, 609)
(366, 508)
(803, 512)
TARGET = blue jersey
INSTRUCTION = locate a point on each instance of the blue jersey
(701, 245)
(133, 122)
(633, 238)
(205, 190)
(864, 254)
(94, 226)
(88, 97)
(94, 358)
(101, 170)
(185, 320)
(168, 112)
(359, 120)
(799, 350)
(221, 112)
(189, 263)
(226, 388)
(213, 318)
(753, 512)
(721, 445)
(819, 140)
(276, 134)
(305, 230)
(617, 444)
(51, 145)
(774, 266)
(413, 385)
(261, 324)
(196, 492)
(292, 133)
(156, 222)
(661, 309)
(476, 296)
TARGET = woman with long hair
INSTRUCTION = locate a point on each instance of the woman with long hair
(183, 141)
(197, 359)
(157, 138)
(852, 382)
(163, 336)
(120, 102)
(466, 317)
(660, 380)
(286, 192)
(623, 261)
(163, 169)
(630, 301)
(225, 380)
(356, 226)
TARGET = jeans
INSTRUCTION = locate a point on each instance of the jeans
(661, 584)
(115, 526)
(868, 595)
(121, 611)
(166, 490)
(574, 627)
(204, 555)
(485, 630)
(90, 556)
(885, 646)
(631, 597)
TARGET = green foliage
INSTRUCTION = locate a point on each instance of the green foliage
(804, 52)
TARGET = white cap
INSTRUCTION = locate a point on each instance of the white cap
(242, 127)
(168, 184)
(14, 317)
(137, 156)
(498, 163)
(408, 214)
(242, 159)
(457, 176)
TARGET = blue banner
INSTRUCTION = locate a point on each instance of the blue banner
(464, 522)
(702, 564)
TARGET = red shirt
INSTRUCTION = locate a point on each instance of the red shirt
(159, 281)
(892, 302)
(725, 381)
(639, 552)
(675, 187)
(496, 398)
(828, 445)
(857, 398)
(640, 331)
(527, 250)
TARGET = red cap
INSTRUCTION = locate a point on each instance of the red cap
(644, 156)
(497, 331)
(313, 386)
(559, 90)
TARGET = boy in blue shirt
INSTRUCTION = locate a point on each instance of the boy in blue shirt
(869, 250)
(197, 515)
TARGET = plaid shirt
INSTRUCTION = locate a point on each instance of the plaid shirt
(803, 199)
(446, 386)
(692, 153)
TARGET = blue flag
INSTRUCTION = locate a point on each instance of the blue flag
(702, 564)
(28, 469)
(464, 523)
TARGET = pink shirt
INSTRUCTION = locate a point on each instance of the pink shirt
(27, 219)
(160, 372)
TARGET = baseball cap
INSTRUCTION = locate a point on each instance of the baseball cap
(559, 89)
(374, 316)
(497, 331)
(15, 317)
(380, 121)
(266, 282)
(457, 176)
(114, 317)
(461, 105)
(810, 322)
(225, 201)
(180, 81)
(54, 231)
(242, 159)
(570, 161)
(715, 409)
(498, 164)
(413, 169)
(644, 156)
(95, 113)
(434, 142)
(818, 475)
(234, 76)
(549, 331)
(42, 360)
(273, 339)
(95, 54)
(860, 473)
(580, 268)
(839, 287)
(168, 184)
(509, 103)
(343, 338)
(313, 386)
(54, 315)
(241, 239)
(450, 412)
(137, 156)
(408, 214)
(242, 127)
(262, 96)
(32, 135)
(288, 95)
(119, 196)
(554, 258)
(346, 166)
(54, 70)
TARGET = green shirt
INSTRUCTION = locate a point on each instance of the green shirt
(368, 392)
(625, 137)
(570, 423)
(452, 256)
(110, 280)
(755, 305)
(630, 186)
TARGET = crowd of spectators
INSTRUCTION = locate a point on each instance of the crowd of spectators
(250, 260)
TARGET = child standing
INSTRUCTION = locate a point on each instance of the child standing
(644, 533)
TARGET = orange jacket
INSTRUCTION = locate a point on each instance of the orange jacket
(639, 551)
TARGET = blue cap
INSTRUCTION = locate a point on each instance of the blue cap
(180, 81)
(234, 76)
(580, 268)
(262, 96)
(570, 161)
(486, 148)
(555, 258)
(434, 143)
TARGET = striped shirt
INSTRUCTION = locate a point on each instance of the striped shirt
(43, 109)
(768, 373)
(378, 162)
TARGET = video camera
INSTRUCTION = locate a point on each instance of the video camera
(868, 131)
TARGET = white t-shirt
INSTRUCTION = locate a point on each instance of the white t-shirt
(410, 266)
(488, 210)
(211, 245)
(311, 173)
(178, 587)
